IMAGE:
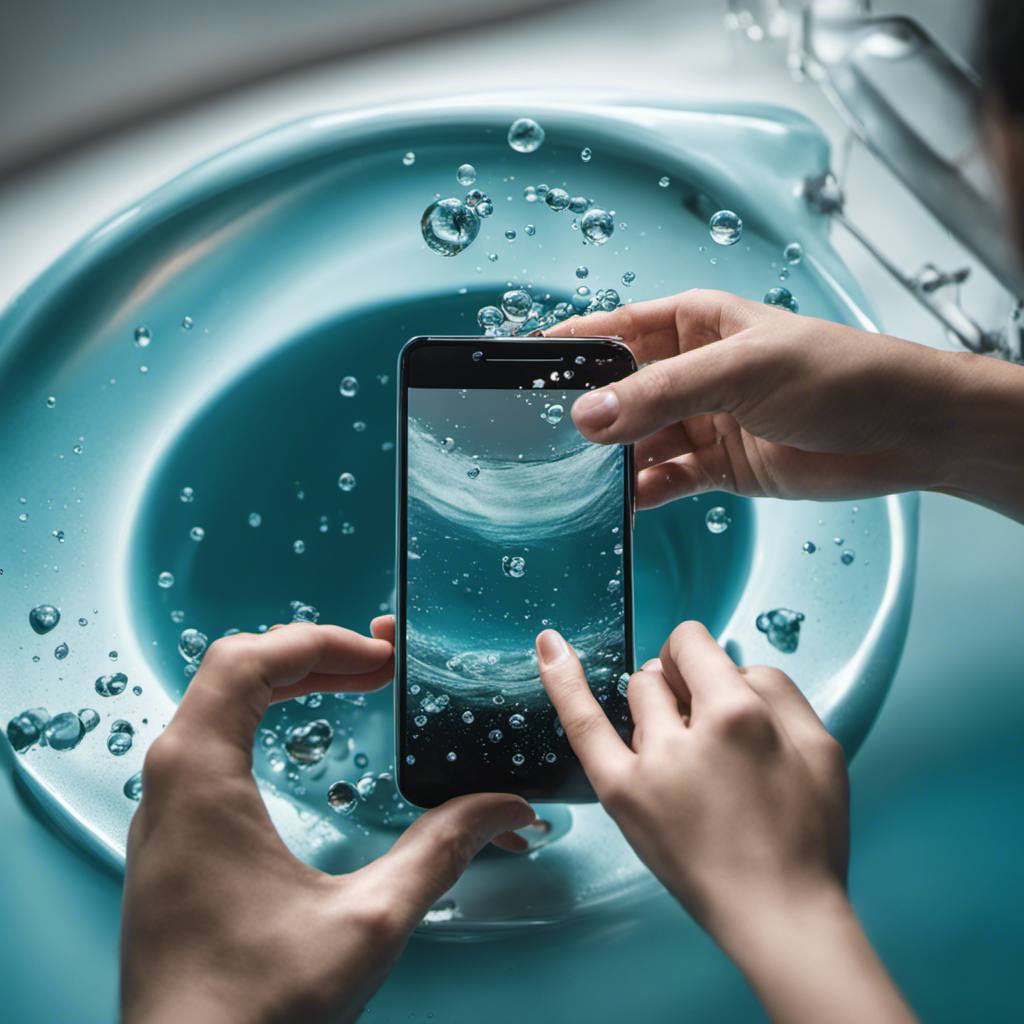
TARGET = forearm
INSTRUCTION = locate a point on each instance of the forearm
(985, 463)
(811, 962)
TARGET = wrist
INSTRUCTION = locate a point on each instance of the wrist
(807, 959)
(984, 459)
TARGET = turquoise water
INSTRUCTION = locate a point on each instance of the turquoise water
(265, 280)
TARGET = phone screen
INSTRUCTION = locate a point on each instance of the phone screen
(513, 522)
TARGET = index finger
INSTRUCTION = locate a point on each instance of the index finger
(241, 674)
(591, 735)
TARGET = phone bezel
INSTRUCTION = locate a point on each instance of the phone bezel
(520, 362)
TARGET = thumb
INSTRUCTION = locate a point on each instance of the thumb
(431, 855)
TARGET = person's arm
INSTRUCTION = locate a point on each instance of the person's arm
(735, 796)
(221, 923)
(793, 407)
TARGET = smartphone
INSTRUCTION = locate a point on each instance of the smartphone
(509, 521)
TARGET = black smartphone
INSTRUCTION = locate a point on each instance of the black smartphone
(509, 521)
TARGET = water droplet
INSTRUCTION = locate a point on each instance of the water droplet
(187, 494)
(60, 652)
(466, 174)
(510, 235)
(525, 135)
(582, 272)
(717, 520)
(449, 225)
(597, 226)
(299, 547)
(451, 755)
(133, 787)
(516, 304)
(793, 253)
(580, 360)
(614, 586)
(409, 159)
(539, 382)
(495, 735)
(810, 548)
(518, 759)
(137, 690)
(664, 182)
(359, 426)
(23, 517)
(51, 402)
(119, 743)
(365, 786)
(112, 655)
(187, 323)
(346, 481)
(77, 449)
(513, 565)
(448, 444)
(123, 725)
(361, 760)
(618, 548)
(726, 228)
(349, 386)
(307, 743)
(255, 519)
(517, 721)
(165, 580)
(43, 618)
(420, 720)
(530, 229)
(473, 473)
(467, 717)
(111, 686)
(25, 729)
(553, 413)
(410, 759)
(90, 718)
(197, 533)
(142, 336)
(557, 199)
(64, 731)
(579, 204)
(192, 644)
(628, 278)
(781, 297)
(585, 154)
(782, 628)
(143, 369)
(847, 557)
(304, 612)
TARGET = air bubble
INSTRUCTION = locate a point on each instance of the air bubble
(557, 199)
(64, 731)
(165, 580)
(449, 225)
(516, 304)
(43, 618)
(553, 414)
(793, 253)
(782, 627)
(346, 481)
(119, 743)
(466, 174)
(133, 787)
(112, 685)
(60, 652)
(726, 227)
(513, 565)
(525, 135)
(187, 494)
(717, 520)
(349, 386)
(307, 743)
(781, 297)
(597, 226)
(192, 644)
(142, 337)
(197, 533)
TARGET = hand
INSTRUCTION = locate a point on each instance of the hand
(779, 405)
(735, 796)
(221, 923)
(733, 793)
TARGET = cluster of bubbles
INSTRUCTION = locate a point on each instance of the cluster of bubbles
(782, 627)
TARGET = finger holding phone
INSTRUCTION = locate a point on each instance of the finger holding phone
(735, 796)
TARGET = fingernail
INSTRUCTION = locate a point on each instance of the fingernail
(596, 409)
(551, 648)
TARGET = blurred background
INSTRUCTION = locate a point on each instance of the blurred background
(100, 103)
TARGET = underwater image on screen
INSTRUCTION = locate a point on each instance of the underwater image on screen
(515, 523)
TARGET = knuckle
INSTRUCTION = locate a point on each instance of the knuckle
(743, 718)
(580, 724)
